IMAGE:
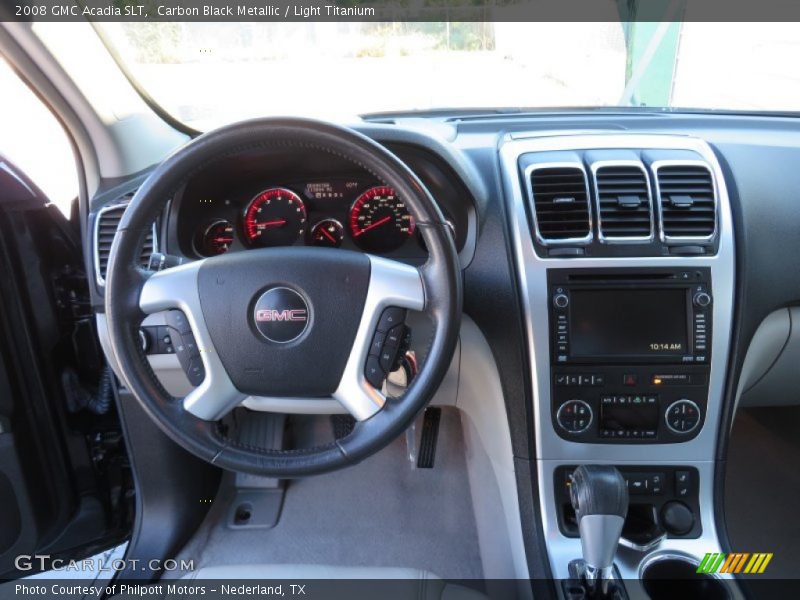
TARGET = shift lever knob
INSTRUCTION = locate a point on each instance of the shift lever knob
(599, 496)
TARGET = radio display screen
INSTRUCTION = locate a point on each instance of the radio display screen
(628, 322)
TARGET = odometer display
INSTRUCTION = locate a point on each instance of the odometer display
(379, 220)
(275, 217)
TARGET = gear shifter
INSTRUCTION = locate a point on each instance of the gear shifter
(599, 496)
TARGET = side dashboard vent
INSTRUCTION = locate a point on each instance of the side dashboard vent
(105, 228)
(624, 203)
(687, 201)
(560, 202)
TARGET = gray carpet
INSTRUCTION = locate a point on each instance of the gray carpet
(382, 512)
(762, 487)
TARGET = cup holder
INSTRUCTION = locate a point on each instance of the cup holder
(671, 576)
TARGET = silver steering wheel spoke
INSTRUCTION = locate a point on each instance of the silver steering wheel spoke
(177, 289)
(391, 283)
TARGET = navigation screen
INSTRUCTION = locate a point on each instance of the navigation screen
(625, 322)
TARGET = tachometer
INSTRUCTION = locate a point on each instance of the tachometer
(380, 221)
(216, 238)
(275, 217)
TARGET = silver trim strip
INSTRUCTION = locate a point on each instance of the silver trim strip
(617, 239)
(655, 166)
(551, 449)
(101, 281)
(587, 239)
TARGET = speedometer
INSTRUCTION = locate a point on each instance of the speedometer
(275, 217)
(379, 220)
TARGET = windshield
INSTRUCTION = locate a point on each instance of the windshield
(207, 74)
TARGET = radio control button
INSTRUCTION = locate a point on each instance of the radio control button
(701, 299)
(682, 416)
(574, 416)
(561, 301)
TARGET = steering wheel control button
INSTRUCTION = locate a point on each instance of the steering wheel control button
(377, 344)
(574, 416)
(164, 340)
(281, 315)
(374, 372)
(178, 321)
(195, 371)
(389, 357)
(682, 416)
(389, 344)
(395, 335)
(390, 317)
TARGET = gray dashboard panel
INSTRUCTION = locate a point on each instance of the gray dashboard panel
(770, 374)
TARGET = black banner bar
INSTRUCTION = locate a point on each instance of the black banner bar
(399, 10)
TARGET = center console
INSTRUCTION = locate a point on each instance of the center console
(624, 251)
(630, 353)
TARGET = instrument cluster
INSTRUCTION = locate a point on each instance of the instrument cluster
(350, 213)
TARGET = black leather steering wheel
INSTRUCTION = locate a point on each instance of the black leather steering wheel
(239, 309)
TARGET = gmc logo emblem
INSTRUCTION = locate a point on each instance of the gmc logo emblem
(281, 315)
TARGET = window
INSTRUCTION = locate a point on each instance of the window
(32, 139)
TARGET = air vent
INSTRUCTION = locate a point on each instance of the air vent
(561, 204)
(106, 224)
(687, 201)
(624, 205)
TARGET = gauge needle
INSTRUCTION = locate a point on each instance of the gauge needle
(275, 223)
(328, 235)
(374, 225)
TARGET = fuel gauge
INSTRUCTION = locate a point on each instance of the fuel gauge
(216, 238)
(328, 232)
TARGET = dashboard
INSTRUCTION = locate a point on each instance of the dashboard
(543, 287)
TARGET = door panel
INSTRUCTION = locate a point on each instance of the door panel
(63, 473)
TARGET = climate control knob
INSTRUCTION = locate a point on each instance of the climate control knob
(682, 416)
(574, 416)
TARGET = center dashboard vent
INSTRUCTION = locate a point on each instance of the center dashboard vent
(687, 201)
(105, 228)
(560, 203)
(624, 202)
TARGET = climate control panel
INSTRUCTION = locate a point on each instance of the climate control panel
(629, 404)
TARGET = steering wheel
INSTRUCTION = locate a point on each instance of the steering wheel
(289, 322)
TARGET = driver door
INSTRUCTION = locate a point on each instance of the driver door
(65, 483)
